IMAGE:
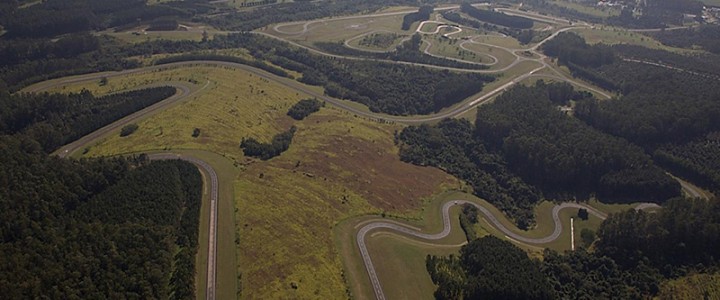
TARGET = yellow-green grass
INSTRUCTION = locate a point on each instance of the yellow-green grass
(175, 35)
(502, 41)
(429, 27)
(287, 214)
(504, 57)
(447, 48)
(590, 10)
(341, 30)
(233, 105)
(696, 286)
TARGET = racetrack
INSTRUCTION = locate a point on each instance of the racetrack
(406, 230)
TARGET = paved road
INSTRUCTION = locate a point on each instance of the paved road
(490, 217)
(212, 228)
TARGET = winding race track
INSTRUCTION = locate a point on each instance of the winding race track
(489, 216)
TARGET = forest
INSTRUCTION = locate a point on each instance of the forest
(96, 228)
(523, 148)
(423, 14)
(659, 105)
(54, 120)
(43, 19)
(91, 228)
(634, 253)
(496, 17)
(697, 161)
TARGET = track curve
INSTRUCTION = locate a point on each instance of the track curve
(212, 228)
(489, 216)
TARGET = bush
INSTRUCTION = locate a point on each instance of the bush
(128, 129)
(304, 108)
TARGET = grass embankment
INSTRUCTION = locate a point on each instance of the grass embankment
(339, 166)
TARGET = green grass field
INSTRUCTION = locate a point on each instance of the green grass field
(451, 48)
(590, 10)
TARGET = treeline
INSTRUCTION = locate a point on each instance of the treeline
(488, 268)
(304, 108)
(423, 14)
(31, 60)
(54, 120)
(522, 144)
(697, 161)
(634, 254)
(279, 144)
(214, 57)
(56, 17)
(571, 49)
(496, 17)
(707, 37)
(452, 147)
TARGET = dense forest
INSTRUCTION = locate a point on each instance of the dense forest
(423, 14)
(97, 228)
(707, 37)
(698, 161)
(488, 268)
(659, 105)
(634, 253)
(496, 17)
(523, 145)
(54, 120)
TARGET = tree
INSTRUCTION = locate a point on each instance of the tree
(582, 214)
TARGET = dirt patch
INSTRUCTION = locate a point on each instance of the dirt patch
(370, 170)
